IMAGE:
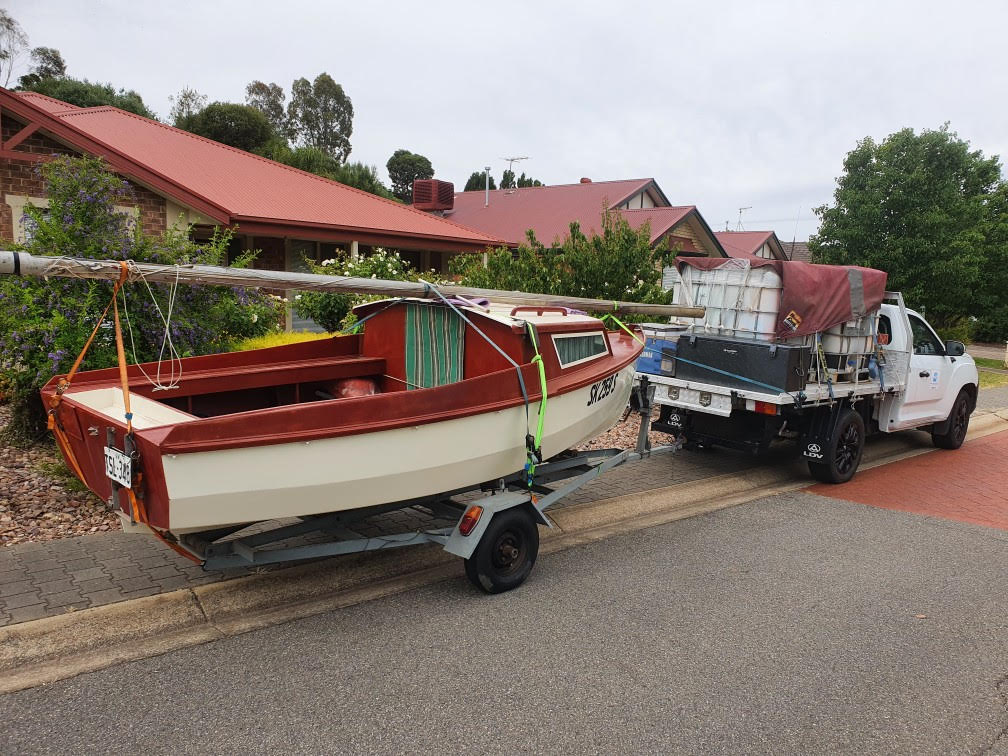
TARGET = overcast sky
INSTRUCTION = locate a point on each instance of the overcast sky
(736, 104)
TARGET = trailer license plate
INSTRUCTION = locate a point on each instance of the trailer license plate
(118, 467)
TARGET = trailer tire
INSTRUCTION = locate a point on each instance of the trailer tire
(506, 553)
(956, 425)
(843, 451)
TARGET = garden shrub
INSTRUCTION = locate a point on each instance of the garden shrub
(332, 311)
(616, 264)
(45, 324)
(992, 327)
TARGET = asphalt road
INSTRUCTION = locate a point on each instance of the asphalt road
(791, 624)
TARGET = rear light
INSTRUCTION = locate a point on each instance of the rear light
(469, 519)
(766, 408)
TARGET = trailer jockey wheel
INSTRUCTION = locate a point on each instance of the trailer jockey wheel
(506, 552)
(842, 454)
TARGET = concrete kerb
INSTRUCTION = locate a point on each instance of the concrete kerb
(54, 648)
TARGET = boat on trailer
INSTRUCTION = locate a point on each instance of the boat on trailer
(265, 434)
(436, 396)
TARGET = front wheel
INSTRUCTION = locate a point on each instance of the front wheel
(506, 552)
(958, 424)
(843, 451)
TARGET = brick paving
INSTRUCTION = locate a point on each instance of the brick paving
(53, 577)
(969, 484)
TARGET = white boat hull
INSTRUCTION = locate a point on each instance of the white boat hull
(234, 486)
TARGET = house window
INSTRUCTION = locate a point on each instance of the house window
(575, 348)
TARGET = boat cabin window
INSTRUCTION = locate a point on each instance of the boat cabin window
(575, 348)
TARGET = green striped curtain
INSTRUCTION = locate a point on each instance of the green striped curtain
(434, 341)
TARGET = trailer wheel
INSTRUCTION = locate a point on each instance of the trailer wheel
(958, 423)
(506, 552)
(843, 451)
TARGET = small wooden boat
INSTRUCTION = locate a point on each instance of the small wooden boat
(443, 395)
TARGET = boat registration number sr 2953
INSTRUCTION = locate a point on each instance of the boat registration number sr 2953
(601, 390)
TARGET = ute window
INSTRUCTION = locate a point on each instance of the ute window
(575, 348)
(924, 340)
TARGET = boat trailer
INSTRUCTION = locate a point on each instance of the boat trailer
(495, 530)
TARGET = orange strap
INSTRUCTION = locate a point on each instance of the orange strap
(139, 511)
(52, 422)
(140, 514)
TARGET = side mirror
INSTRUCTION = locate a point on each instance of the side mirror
(955, 348)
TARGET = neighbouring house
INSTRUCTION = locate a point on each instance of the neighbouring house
(181, 178)
(549, 211)
(798, 251)
(743, 244)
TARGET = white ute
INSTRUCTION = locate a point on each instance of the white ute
(904, 377)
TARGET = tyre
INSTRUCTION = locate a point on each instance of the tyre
(506, 552)
(958, 424)
(843, 451)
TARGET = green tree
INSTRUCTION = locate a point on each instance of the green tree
(45, 324)
(269, 100)
(363, 177)
(405, 167)
(321, 115)
(918, 206)
(47, 63)
(477, 182)
(230, 123)
(523, 182)
(187, 103)
(507, 179)
(13, 42)
(617, 263)
(86, 94)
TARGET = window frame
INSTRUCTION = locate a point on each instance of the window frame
(929, 331)
(580, 334)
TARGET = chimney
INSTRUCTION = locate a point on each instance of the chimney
(585, 180)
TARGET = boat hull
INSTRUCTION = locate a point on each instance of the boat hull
(223, 487)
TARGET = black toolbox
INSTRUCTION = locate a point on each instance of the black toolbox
(700, 358)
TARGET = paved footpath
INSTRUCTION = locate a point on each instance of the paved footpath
(969, 484)
(54, 577)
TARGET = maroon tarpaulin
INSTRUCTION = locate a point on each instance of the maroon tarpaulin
(814, 297)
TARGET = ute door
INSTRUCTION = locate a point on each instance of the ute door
(929, 377)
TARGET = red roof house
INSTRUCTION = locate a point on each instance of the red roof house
(549, 211)
(764, 244)
(181, 177)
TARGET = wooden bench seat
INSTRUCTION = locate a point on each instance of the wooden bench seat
(216, 380)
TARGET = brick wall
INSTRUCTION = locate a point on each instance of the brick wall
(21, 178)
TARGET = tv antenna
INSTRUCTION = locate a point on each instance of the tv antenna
(511, 161)
(740, 211)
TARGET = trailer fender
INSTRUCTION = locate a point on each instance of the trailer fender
(465, 545)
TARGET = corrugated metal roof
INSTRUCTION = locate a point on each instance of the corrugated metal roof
(742, 243)
(662, 219)
(249, 187)
(45, 102)
(548, 210)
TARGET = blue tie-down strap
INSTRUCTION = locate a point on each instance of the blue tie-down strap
(733, 375)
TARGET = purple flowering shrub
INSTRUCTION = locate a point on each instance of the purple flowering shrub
(45, 324)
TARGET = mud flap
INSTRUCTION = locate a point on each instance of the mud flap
(820, 432)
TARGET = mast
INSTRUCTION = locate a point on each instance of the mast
(24, 264)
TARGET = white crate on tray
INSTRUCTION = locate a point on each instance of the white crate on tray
(743, 302)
